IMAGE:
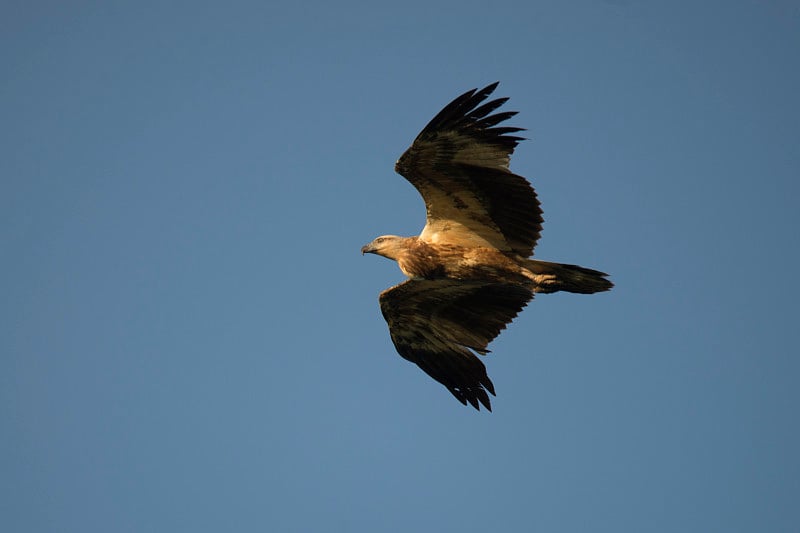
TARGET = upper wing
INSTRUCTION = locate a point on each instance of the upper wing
(459, 164)
(438, 323)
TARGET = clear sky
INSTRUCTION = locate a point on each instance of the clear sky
(190, 339)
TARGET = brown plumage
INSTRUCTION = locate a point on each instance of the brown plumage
(469, 268)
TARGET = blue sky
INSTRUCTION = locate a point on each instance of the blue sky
(190, 339)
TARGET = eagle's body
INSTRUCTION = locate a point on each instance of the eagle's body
(469, 269)
(418, 259)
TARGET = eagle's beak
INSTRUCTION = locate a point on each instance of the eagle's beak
(367, 249)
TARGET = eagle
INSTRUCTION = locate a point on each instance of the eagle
(469, 271)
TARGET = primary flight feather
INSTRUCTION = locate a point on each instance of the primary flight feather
(470, 272)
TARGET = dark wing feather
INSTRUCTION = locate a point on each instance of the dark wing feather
(438, 324)
(459, 164)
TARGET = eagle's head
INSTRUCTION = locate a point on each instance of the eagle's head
(390, 246)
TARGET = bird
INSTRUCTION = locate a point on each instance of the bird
(470, 270)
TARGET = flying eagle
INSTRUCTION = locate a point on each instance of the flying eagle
(469, 269)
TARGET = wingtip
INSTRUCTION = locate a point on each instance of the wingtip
(486, 91)
(484, 398)
(491, 87)
(476, 397)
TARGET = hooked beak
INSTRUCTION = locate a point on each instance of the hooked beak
(367, 249)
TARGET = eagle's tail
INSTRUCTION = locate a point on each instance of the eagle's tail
(554, 277)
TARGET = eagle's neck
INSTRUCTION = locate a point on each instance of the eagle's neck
(418, 259)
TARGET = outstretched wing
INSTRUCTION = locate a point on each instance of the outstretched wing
(439, 323)
(459, 164)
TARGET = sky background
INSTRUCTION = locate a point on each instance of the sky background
(190, 339)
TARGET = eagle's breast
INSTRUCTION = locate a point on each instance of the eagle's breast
(422, 261)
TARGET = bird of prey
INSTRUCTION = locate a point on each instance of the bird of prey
(469, 270)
